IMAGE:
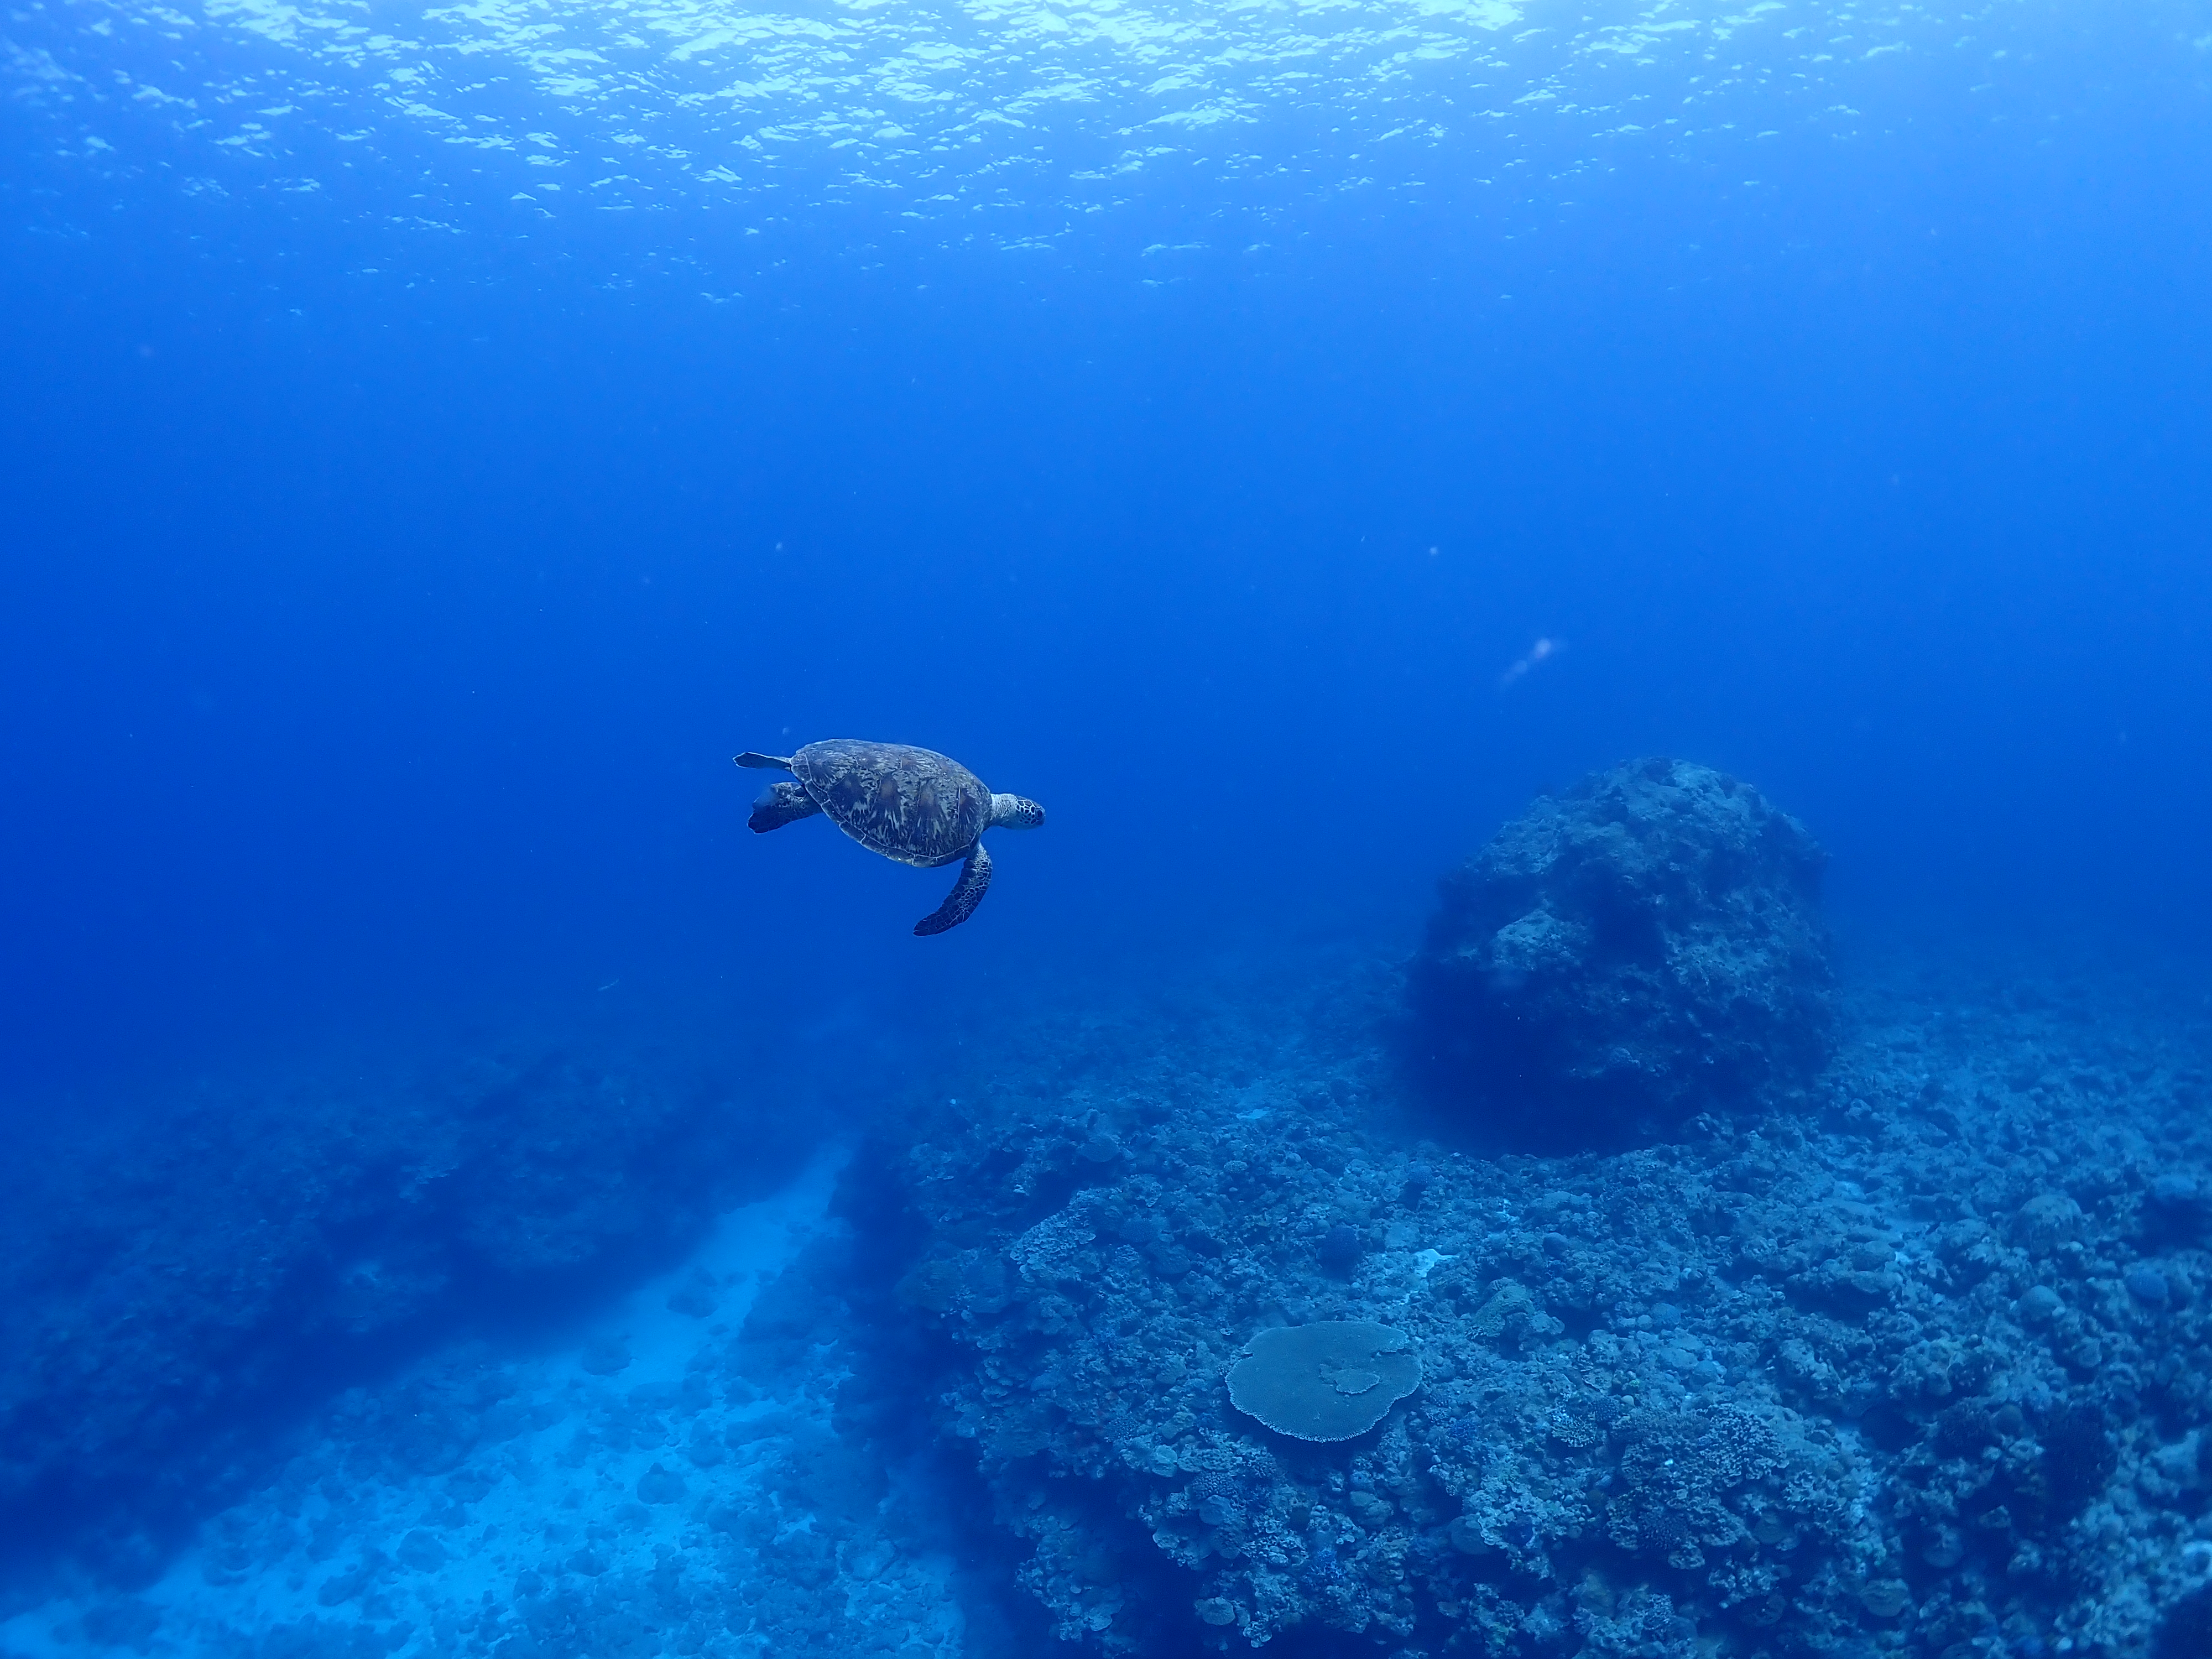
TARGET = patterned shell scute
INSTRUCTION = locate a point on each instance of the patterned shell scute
(908, 804)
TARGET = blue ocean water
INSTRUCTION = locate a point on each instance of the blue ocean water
(1282, 438)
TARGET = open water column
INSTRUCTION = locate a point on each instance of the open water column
(1604, 1052)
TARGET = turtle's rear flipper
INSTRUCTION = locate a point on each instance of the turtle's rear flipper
(774, 762)
(967, 893)
(780, 804)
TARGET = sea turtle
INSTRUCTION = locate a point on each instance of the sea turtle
(908, 804)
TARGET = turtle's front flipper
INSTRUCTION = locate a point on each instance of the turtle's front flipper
(967, 893)
(774, 762)
(780, 804)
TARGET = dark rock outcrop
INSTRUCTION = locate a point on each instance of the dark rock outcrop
(1643, 948)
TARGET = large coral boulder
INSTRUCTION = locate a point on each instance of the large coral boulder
(1641, 948)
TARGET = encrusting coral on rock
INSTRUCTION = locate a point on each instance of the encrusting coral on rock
(1643, 947)
(1919, 1369)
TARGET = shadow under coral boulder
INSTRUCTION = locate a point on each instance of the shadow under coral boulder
(1641, 948)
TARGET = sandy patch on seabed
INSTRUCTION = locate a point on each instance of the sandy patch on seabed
(646, 1489)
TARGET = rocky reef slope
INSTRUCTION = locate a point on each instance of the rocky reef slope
(656, 1481)
(173, 1292)
(1925, 1369)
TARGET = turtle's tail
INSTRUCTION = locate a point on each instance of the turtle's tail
(774, 762)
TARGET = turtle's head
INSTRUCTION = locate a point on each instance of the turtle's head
(1015, 812)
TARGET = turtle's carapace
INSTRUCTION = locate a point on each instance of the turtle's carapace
(912, 804)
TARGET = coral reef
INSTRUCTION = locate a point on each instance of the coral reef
(1641, 948)
(170, 1292)
(1923, 1371)
(1885, 1377)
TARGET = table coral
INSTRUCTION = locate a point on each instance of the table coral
(1331, 1381)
